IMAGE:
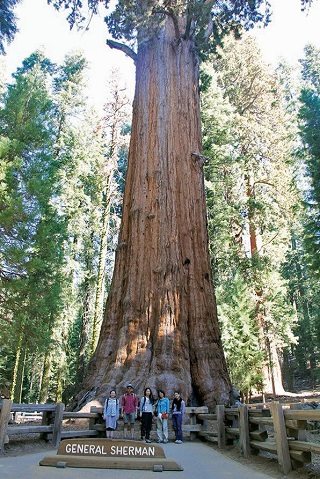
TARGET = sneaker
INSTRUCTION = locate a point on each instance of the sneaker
(165, 441)
(159, 442)
(148, 441)
(178, 441)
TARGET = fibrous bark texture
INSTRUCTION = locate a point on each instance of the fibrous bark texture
(160, 325)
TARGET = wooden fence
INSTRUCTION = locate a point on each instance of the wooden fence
(53, 417)
(280, 429)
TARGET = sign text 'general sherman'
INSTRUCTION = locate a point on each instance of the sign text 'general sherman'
(99, 450)
(109, 448)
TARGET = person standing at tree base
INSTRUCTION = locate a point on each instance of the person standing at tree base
(146, 409)
(162, 411)
(178, 410)
(129, 408)
(111, 413)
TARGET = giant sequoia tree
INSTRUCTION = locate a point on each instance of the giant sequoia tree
(160, 325)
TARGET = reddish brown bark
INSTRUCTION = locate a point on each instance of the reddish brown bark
(160, 326)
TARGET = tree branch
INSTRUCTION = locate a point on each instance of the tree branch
(268, 242)
(124, 48)
(188, 23)
(264, 182)
(175, 23)
(208, 4)
(170, 13)
(209, 30)
(199, 158)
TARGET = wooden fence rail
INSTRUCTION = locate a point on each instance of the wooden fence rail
(273, 427)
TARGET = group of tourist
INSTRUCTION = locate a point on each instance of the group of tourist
(131, 407)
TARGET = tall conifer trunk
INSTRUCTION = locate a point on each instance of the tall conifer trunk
(45, 380)
(160, 325)
(271, 371)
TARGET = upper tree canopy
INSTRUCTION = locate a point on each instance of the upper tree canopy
(205, 20)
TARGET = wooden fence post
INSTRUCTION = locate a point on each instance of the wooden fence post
(299, 432)
(281, 437)
(244, 430)
(4, 421)
(193, 421)
(46, 421)
(221, 426)
(97, 423)
(57, 425)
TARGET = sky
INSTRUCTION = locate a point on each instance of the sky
(289, 31)
(40, 26)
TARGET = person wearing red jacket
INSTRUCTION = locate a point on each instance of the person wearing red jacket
(129, 409)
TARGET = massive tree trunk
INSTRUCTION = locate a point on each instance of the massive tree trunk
(160, 325)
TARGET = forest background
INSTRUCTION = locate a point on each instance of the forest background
(62, 176)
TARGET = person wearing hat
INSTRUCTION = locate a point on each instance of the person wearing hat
(129, 408)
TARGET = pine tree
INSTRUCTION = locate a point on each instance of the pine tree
(250, 202)
(31, 232)
(309, 131)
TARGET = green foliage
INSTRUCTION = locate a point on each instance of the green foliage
(8, 26)
(301, 268)
(51, 164)
(59, 218)
(250, 200)
(31, 234)
(305, 296)
(236, 309)
(309, 115)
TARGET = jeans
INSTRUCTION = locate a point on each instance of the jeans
(177, 425)
(162, 429)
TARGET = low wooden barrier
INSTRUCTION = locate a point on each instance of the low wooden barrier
(53, 416)
(277, 428)
(273, 427)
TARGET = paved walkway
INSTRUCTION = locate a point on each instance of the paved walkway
(198, 460)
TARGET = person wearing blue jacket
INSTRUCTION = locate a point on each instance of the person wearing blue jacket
(162, 408)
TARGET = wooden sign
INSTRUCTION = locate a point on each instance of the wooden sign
(109, 448)
(110, 454)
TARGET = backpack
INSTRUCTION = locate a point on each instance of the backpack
(117, 403)
(124, 397)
